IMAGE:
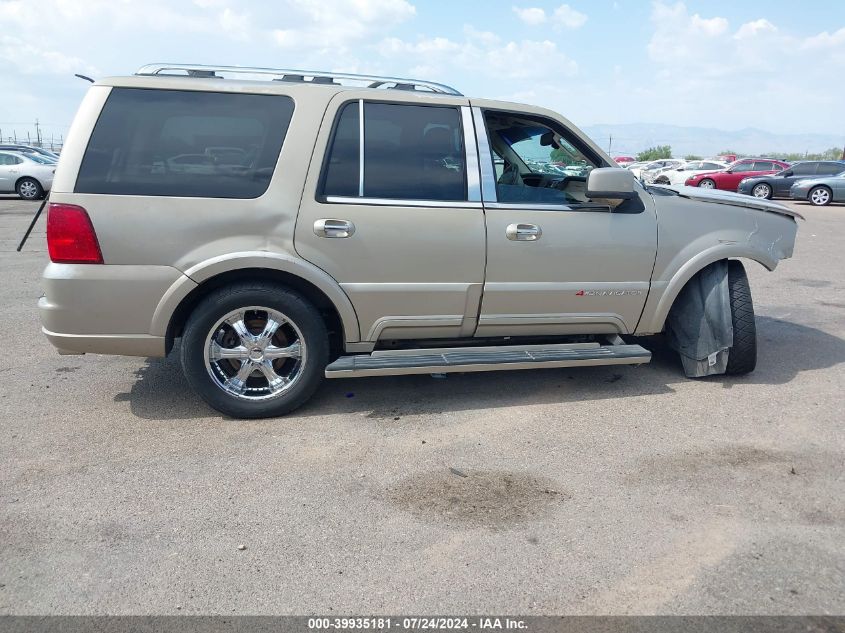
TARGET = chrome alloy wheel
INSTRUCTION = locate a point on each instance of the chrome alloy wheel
(707, 184)
(761, 191)
(28, 190)
(255, 353)
(820, 196)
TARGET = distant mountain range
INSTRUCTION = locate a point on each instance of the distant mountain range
(631, 138)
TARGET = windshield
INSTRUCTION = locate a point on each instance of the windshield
(546, 153)
(38, 158)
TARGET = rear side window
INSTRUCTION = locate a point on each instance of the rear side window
(804, 169)
(411, 152)
(831, 169)
(185, 143)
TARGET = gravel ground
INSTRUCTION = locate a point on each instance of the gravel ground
(615, 490)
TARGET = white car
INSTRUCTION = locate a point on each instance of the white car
(644, 170)
(28, 175)
(679, 175)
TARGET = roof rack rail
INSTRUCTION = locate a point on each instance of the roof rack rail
(282, 74)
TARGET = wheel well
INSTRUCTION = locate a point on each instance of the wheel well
(330, 315)
(739, 258)
(17, 182)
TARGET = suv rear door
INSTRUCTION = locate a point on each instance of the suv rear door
(556, 263)
(403, 231)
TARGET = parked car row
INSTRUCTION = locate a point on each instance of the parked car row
(27, 171)
(818, 181)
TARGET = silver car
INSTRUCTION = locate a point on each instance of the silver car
(370, 225)
(28, 175)
(820, 191)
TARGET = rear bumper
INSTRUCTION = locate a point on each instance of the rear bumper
(120, 344)
(104, 309)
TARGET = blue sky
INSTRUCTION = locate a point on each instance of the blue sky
(775, 65)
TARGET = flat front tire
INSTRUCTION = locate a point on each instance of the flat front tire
(255, 350)
(742, 356)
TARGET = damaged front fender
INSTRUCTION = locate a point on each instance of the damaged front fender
(694, 233)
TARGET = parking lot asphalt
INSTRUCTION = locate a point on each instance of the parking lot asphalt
(615, 490)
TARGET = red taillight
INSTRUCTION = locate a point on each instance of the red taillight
(70, 235)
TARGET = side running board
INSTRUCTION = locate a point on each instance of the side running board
(466, 359)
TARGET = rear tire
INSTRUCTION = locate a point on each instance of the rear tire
(242, 373)
(820, 196)
(707, 183)
(742, 356)
(29, 189)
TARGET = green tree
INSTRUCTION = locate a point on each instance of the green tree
(692, 157)
(562, 155)
(655, 153)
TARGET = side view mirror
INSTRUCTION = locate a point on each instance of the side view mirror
(611, 183)
(787, 173)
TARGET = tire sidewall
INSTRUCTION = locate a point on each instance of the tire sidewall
(209, 311)
(742, 357)
(761, 185)
(710, 180)
(817, 204)
(39, 190)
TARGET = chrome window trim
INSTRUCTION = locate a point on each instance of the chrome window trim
(539, 206)
(473, 176)
(585, 207)
(393, 202)
(360, 148)
(485, 157)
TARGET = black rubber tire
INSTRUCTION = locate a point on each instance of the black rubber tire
(703, 180)
(824, 204)
(269, 295)
(39, 190)
(742, 357)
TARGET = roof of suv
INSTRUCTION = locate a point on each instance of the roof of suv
(302, 82)
(205, 76)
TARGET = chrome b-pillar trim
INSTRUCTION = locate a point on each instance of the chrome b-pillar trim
(485, 157)
(361, 148)
(471, 153)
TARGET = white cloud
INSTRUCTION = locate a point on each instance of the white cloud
(705, 65)
(568, 17)
(482, 52)
(755, 28)
(530, 15)
(336, 24)
(33, 59)
(562, 17)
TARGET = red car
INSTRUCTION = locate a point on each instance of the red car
(728, 179)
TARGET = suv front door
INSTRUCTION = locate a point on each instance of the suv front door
(557, 262)
(392, 210)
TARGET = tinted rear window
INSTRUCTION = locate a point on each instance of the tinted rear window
(185, 143)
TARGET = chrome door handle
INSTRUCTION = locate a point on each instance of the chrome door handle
(334, 228)
(523, 232)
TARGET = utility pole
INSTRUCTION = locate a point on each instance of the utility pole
(37, 134)
(609, 142)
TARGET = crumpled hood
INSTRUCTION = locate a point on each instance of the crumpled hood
(734, 199)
